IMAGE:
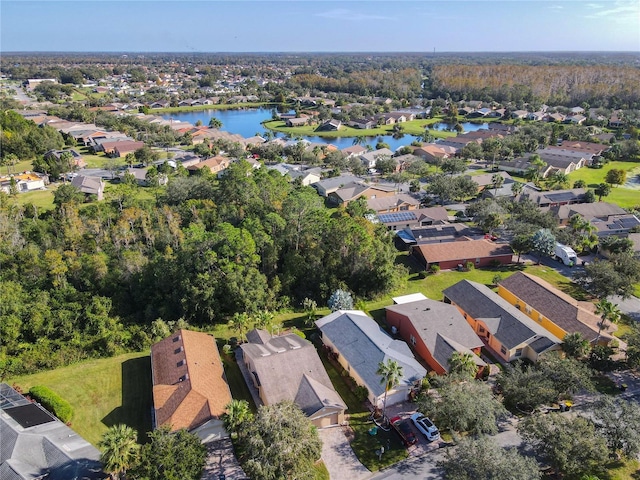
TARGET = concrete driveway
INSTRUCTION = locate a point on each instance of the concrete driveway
(338, 456)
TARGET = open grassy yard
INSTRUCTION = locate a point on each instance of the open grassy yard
(43, 199)
(624, 197)
(102, 392)
(414, 127)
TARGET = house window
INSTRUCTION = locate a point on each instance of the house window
(503, 350)
(518, 352)
(412, 339)
(477, 261)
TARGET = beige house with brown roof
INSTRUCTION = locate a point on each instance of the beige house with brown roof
(214, 164)
(189, 386)
(287, 367)
(481, 253)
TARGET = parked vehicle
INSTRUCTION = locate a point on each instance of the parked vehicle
(565, 255)
(426, 426)
(403, 428)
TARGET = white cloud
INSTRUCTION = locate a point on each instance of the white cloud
(556, 7)
(350, 15)
(622, 11)
(594, 6)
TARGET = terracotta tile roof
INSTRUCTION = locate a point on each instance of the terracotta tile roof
(461, 250)
(189, 386)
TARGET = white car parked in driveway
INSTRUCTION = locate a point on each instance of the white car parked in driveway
(426, 426)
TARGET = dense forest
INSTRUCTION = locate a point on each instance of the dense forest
(553, 85)
(87, 280)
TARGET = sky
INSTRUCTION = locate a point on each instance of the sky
(319, 26)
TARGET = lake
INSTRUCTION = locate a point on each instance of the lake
(247, 122)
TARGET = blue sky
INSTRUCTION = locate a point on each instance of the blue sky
(312, 26)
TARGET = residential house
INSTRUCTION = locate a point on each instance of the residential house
(414, 218)
(215, 164)
(362, 123)
(588, 211)
(554, 198)
(332, 184)
(189, 385)
(330, 125)
(287, 367)
(306, 177)
(577, 119)
(140, 174)
(435, 330)
(89, 186)
(122, 149)
(369, 159)
(354, 151)
(616, 120)
(504, 329)
(394, 203)
(553, 309)
(589, 148)
(353, 191)
(433, 152)
(481, 253)
(555, 117)
(619, 225)
(521, 114)
(296, 122)
(444, 233)
(24, 182)
(160, 104)
(36, 445)
(76, 157)
(485, 181)
(577, 110)
(360, 346)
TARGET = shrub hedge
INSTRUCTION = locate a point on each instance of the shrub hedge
(52, 402)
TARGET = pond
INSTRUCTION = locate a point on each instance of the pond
(248, 122)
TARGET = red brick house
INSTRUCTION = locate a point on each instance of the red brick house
(481, 253)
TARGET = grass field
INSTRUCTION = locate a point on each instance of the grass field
(43, 199)
(102, 392)
(414, 127)
(624, 197)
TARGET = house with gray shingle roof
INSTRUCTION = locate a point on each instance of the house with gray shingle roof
(287, 367)
(34, 444)
(507, 331)
(435, 331)
(370, 159)
(360, 345)
(330, 185)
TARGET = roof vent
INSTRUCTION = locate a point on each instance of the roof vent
(179, 349)
(178, 338)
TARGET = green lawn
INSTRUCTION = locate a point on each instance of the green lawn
(102, 392)
(624, 197)
(414, 127)
(43, 199)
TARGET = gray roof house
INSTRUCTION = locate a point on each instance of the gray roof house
(89, 185)
(360, 345)
(369, 159)
(435, 331)
(506, 330)
(34, 444)
(287, 367)
(331, 185)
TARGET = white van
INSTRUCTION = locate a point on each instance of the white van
(565, 255)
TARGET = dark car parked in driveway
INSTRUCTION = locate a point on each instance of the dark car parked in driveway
(403, 428)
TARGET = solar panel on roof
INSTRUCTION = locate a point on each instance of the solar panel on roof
(628, 222)
(396, 217)
(29, 415)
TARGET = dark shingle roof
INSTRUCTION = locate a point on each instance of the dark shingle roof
(507, 324)
(550, 302)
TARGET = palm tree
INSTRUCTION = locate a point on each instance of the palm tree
(237, 414)
(119, 450)
(608, 311)
(391, 374)
(239, 322)
(497, 181)
(263, 319)
(517, 188)
(215, 123)
(462, 363)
